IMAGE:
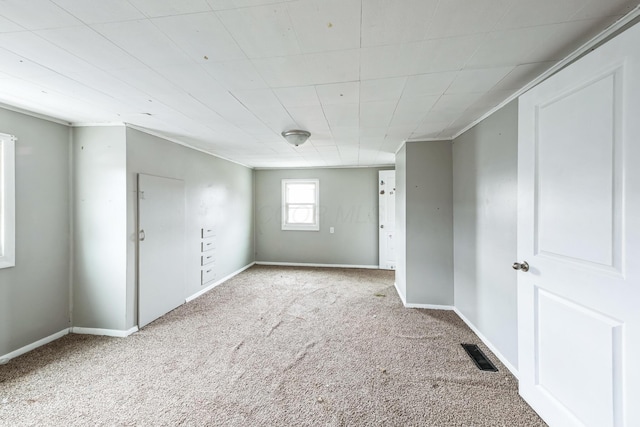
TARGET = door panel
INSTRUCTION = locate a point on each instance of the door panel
(591, 334)
(161, 220)
(579, 231)
(575, 207)
(387, 223)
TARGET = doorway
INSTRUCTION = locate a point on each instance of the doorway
(387, 222)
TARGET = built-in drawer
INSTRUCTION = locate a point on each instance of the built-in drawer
(207, 259)
(208, 232)
(207, 244)
(208, 274)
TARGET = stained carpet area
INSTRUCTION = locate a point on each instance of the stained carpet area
(271, 347)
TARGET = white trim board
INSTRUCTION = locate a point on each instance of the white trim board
(404, 301)
(383, 166)
(425, 306)
(27, 348)
(35, 114)
(430, 306)
(307, 264)
(179, 142)
(104, 332)
(486, 342)
(8, 200)
(471, 326)
(444, 138)
(98, 124)
(218, 283)
(565, 62)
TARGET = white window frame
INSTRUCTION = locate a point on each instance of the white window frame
(300, 227)
(7, 201)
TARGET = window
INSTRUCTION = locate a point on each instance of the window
(300, 204)
(7, 201)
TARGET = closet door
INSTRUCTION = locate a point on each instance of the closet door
(161, 237)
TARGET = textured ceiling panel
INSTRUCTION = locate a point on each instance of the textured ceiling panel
(228, 76)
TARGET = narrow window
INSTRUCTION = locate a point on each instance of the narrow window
(300, 201)
(7, 201)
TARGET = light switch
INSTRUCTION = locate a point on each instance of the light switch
(331, 230)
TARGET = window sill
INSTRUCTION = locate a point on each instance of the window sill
(300, 228)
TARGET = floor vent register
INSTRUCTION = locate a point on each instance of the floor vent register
(478, 357)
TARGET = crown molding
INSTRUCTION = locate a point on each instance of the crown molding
(611, 31)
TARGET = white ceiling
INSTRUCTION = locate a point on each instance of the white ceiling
(227, 76)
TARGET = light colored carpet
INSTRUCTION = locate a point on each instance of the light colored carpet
(271, 347)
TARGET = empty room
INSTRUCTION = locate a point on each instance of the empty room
(319, 212)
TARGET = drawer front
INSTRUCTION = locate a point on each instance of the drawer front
(207, 245)
(208, 274)
(207, 259)
(207, 232)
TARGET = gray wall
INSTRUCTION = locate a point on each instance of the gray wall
(219, 194)
(485, 195)
(99, 168)
(34, 302)
(34, 295)
(348, 202)
(401, 222)
(99, 226)
(429, 227)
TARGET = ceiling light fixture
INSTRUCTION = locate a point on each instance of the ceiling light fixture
(296, 137)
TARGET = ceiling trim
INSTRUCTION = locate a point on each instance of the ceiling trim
(184, 144)
(569, 59)
(34, 114)
(428, 140)
(97, 124)
(325, 167)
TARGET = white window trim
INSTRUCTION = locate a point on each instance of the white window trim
(8, 202)
(300, 227)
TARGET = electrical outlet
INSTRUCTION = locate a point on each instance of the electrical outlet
(331, 230)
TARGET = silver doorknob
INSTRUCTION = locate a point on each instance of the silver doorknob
(523, 267)
(142, 235)
(382, 226)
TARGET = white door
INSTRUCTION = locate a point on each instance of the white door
(387, 210)
(579, 231)
(160, 246)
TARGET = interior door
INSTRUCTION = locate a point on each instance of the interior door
(387, 210)
(160, 246)
(579, 232)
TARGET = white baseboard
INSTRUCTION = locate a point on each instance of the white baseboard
(486, 342)
(429, 306)
(471, 326)
(106, 332)
(4, 359)
(219, 282)
(402, 298)
(306, 264)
